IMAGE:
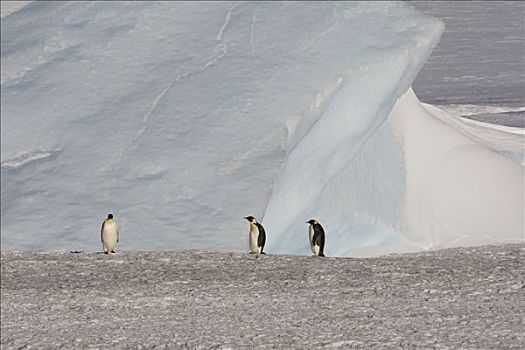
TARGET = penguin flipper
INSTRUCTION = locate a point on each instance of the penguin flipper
(261, 239)
(102, 231)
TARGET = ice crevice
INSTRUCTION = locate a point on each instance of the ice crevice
(24, 158)
(252, 29)
(223, 47)
(227, 20)
(320, 35)
(145, 118)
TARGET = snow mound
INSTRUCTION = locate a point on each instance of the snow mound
(181, 118)
(464, 179)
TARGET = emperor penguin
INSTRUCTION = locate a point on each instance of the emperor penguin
(316, 234)
(257, 236)
(109, 234)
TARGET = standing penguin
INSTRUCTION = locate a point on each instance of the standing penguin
(257, 236)
(109, 234)
(316, 233)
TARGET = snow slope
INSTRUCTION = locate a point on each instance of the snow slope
(183, 117)
(464, 180)
(425, 179)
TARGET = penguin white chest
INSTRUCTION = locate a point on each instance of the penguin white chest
(254, 237)
(313, 247)
(109, 235)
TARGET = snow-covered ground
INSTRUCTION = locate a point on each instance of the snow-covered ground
(461, 298)
(181, 118)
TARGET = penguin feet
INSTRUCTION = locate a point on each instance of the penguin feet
(113, 252)
(106, 252)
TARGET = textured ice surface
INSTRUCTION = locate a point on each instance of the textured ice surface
(181, 118)
(178, 116)
(450, 299)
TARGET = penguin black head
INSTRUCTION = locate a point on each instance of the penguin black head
(312, 221)
(251, 219)
(110, 216)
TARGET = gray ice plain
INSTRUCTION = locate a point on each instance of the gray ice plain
(459, 298)
(244, 113)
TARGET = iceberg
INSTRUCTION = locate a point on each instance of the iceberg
(182, 118)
